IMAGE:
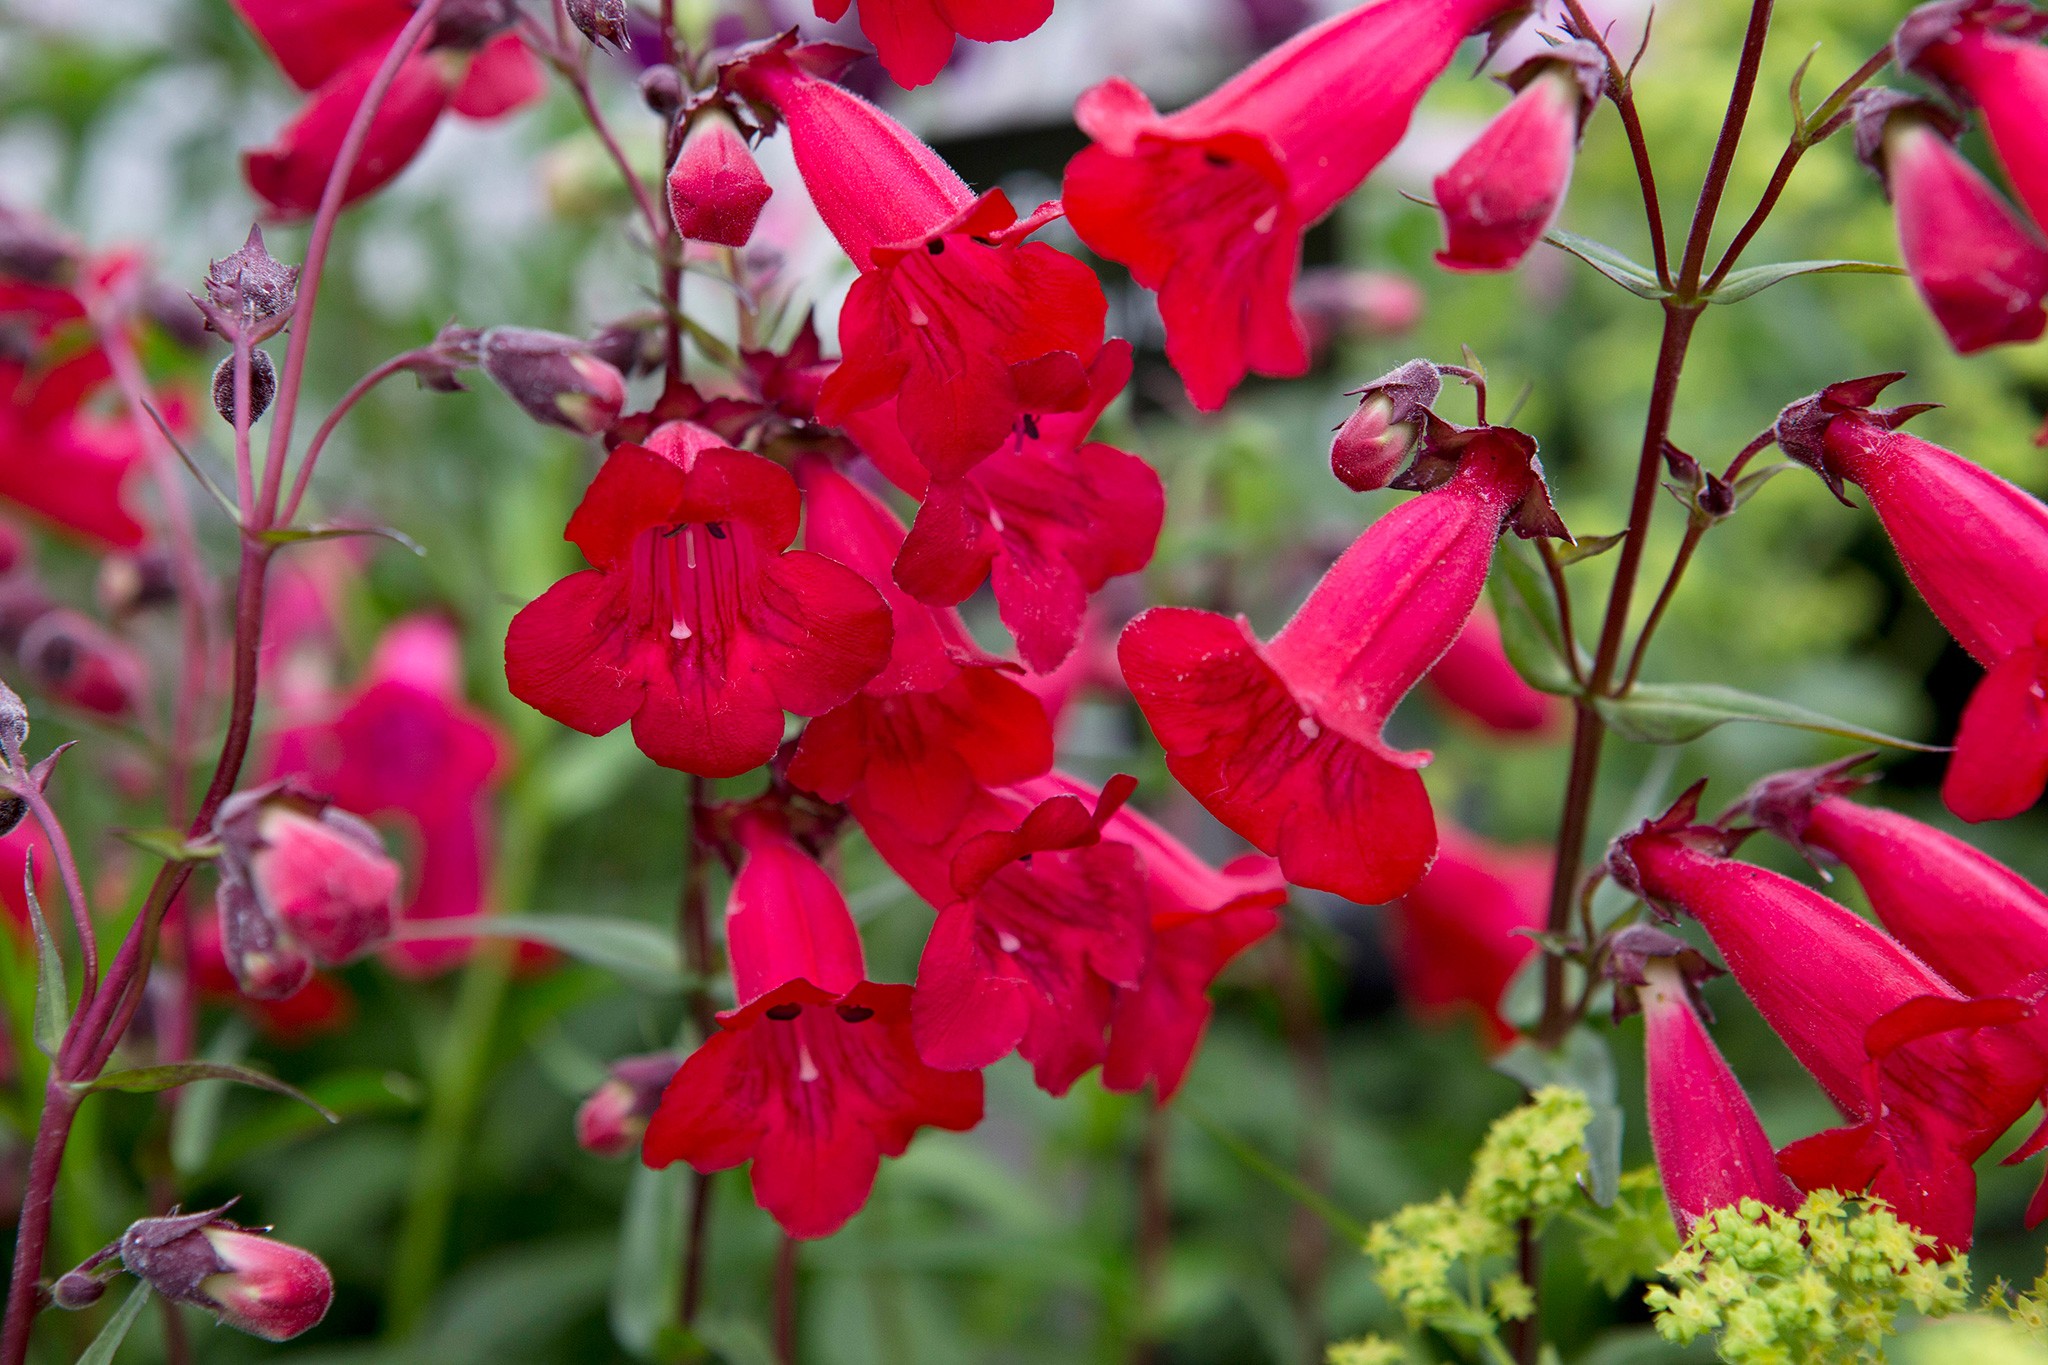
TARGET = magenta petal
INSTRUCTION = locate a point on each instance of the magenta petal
(2001, 760)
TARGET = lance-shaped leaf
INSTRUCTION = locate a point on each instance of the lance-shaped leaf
(1742, 284)
(1678, 713)
(101, 1352)
(296, 535)
(145, 1080)
(1530, 631)
(638, 953)
(53, 996)
(1630, 275)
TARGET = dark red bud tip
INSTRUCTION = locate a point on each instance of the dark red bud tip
(249, 289)
(1871, 112)
(262, 387)
(468, 24)
(1783, 802)
(74, 1290)
(602, 22)
(1802, 427)
(715, 190)
(661, 89)
(1633, 949)
(555, 379)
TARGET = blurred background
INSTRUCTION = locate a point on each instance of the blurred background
(462, 1222)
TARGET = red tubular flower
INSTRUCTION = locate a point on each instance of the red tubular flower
(75, 660)
(247, 1280)
(716, 190)
(1456, 932)
(697, 624)
(976, 330)
(1047, 518)
(1503, 193)
(1475, 679)
(814, 1084)
(1208, 205)
(333, 48)
(1712, 1152)
(1977, 549)
(914, 38)
(406, 744)
(942, 717)
(1985, 53)
(1981, 268)
(1282, 741)
(1045, 919)
(1928, 1077)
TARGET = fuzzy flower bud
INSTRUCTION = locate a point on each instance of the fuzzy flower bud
(716, 190)
(301, 882)
(250, 288)
(75, 1290)
(1376, 440)
(130, 583)
(601, 21)
(245, 1279)
(262, 387)
(612, 1120)
(554, 378)
(73, 659)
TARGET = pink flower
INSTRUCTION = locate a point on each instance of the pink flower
(1282, 741)
(1208, 205)
(333, 48)
(1977, 549)
(1475, 679)
(613, 1118)
(1456, 933)
(1048, 519)
(1981, 267)
(1711, 1149)
(1503, 193)
(1928, 1077)
(697, 624)
(914, 38)
(813, 1082)
(716, 190)
(1985, 53)
(942, 717)
(250, 1282)
(976, 330)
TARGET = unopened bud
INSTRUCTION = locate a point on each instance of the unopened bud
(170, 308)
(1377, 440)
(251, 289)
(555, 378)
(132, 583)
(251, 1282)
(662, 87)
(301, 882)
(612, 1120)
(34, 249)
(627, 347)
(262, 387)
(73, 659)
(469, 24)
(715, 190)
(13, 734)
(602, 21)
(75, 1290)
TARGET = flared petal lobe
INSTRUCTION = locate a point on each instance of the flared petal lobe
(786, 919)
(914, 38)
(2001, 761)
(291, 173)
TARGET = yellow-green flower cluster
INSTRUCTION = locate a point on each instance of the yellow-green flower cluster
(1530, 1164)
(1365, 1351)
(1825, 1283)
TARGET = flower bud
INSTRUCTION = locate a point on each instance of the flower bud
(75, 1290)
(1376, 440)
(74, 660)
(602, 21)
(1499, 198)
(555, 378)
(469, 24)
(715, 189)
(612, 1120)
(250, 288)
(13, 719)
(34, 249)
(262, 387)
(301, 882)
(661, 87)
(250, 1282)
(1334, 302)
(132, 583)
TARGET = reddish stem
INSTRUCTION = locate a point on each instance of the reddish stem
(1621, 93)
(67, 871)
(786, 1302)
(33, 1236)
(1716, 183)
(304, 479)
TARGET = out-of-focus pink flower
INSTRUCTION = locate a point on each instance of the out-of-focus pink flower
(323, 1005)
(1501, 195)
(1457, 934)
(1980, 266)
(1475, 678)
(1334, 302)
(1987, 53)
(914, 38)
(613, 1118)
(333, 49)
(1208, 205)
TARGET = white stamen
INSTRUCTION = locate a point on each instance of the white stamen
(689, 549)
(806, 1069)
(917, 317)
(679, 629)
(1263, 224)
(1307, 725)
(1007, 941)
(995, 520)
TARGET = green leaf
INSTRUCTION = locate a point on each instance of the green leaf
(1636, 278)
(648, 1277)
(1589, 547)
(1584, 1063)
(166, 843)
(637, 952)
(196, 1122)
(53, 996)
(1529, 626)
(1678, 713)
(145, 1080)
(1631, 1238)
(1742, 284)
(101, 1352)
(296, 535)
(359, 1093)
(1342, 1223)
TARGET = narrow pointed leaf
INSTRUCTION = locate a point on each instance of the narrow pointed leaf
(649, 1275)
(1530, 631)
(1742, 284)
(639, 953)
(166, 843)
(101, 1352)
(1679, 713)
(53, 996)
(1589, 547)
(293, 535)
(1630, 275)
(144, 1080)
